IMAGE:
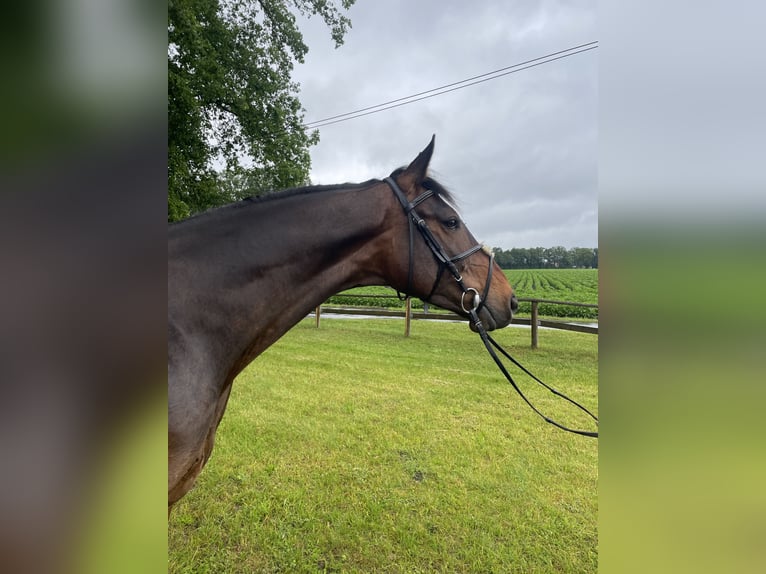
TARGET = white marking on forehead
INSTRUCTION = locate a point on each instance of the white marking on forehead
(447, 203)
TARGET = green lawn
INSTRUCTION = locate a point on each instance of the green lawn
(351, 448)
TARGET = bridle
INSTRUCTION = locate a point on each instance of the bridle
(476, 302)
(444, 260)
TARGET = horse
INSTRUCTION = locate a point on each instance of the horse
(240, 276)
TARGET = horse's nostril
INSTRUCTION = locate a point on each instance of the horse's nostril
(514, 303)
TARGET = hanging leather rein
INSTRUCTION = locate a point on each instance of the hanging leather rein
(476, 302)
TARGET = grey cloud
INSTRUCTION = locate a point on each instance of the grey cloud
(503, 145)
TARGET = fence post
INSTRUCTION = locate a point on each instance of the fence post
(534, 322)
(407, 316)
(318, 312)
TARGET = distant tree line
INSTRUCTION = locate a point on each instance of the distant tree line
(547, 257)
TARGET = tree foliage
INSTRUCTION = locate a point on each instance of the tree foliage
(547, 257)
(235, 124)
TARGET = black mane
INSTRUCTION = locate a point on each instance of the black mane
(428, 183)
(305, 189)
(433, 185)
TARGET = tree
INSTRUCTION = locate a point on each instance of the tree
(550, 257)
(536, 257)
(557, 257)
(518, 257)
(583, 257)
(233, 112)
(502, 258)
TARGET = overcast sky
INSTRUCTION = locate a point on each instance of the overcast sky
(520, 151)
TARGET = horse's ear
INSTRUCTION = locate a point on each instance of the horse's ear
(415, 173)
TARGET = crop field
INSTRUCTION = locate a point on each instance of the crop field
(576, 285)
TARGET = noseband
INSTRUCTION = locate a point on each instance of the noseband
(476, 302)
(445, 261)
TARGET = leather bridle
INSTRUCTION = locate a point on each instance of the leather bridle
(476, 302)
(444, 260)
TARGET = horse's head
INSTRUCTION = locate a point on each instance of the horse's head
(441, 260)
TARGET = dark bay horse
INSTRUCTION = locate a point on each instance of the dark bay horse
(239, 277)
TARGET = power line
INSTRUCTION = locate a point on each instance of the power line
(452, 87)
(308, 124)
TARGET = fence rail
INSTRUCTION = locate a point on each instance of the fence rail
(534, 321)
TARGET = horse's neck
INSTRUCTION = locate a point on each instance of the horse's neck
(259, 269)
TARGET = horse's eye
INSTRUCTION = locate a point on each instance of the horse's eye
(452, 223)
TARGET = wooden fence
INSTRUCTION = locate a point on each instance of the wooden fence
(534, 322)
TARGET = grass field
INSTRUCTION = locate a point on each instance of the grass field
(577, 285)
(351, 448)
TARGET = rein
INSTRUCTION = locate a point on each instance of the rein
(476, 302)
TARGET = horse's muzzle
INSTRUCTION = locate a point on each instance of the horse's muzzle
(490, 319)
